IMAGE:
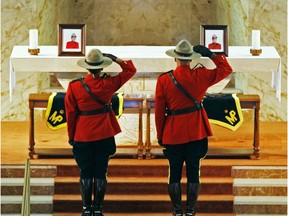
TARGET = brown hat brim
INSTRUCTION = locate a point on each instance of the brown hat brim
(106, 62)
(194, 55)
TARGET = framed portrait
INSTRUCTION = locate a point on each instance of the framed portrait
(215, 37)
(71, 39)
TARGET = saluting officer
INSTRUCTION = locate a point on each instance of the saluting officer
(181, 121)
(92, 124)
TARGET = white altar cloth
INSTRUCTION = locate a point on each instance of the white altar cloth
(146, 59)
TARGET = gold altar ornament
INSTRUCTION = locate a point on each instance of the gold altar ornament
(34, 51)
(255, 52)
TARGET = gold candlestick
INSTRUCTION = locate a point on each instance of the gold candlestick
(34, 51)
(255, 52)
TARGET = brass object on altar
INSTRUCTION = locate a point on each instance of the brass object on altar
(34, 51)
(255, 52)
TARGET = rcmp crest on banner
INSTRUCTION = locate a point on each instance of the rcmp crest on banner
(224, 110)
(55, 112)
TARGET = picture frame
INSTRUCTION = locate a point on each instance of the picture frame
(215, 37)
(71, 39)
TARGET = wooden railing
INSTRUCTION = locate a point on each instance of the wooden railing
(247, 102)
(135, 105)
(25, 210)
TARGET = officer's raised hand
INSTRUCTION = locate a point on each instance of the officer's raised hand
(112, 57)
(204, 51)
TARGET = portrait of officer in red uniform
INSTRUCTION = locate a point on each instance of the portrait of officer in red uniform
(92, 124)
(214, 44)
(181, 121)
(73, 44)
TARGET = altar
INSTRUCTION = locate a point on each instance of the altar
(147, 59)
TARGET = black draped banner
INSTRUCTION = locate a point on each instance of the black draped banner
(222, 109)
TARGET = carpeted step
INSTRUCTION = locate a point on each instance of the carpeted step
(143, 169)
(145, 203)
(145, 185)
(143, 214)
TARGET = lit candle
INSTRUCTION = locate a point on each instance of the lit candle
(33, 39)
(256, 39)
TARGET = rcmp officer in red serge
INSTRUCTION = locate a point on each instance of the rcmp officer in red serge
(181, 121)
(92, 124)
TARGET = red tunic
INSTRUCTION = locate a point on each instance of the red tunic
(72, 45)
(192, 126)
(214, 46)
(100, 126)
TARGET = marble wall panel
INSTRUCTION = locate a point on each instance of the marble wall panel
(17, 171)
(34, 190)
(50, 14)
(234, 14)
(243, 16)
(273, 26)
(13, 32)
(146, 22)
(18, 16)
(143, 22)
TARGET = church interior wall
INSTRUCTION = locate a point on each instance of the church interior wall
(143, 22)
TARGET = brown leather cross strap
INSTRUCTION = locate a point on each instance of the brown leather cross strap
(107, 107)
(197, 106)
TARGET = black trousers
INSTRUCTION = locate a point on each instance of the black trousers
(92, 157)
(191, 153)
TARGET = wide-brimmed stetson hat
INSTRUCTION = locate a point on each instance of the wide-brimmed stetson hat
(94, 60)
(183, 51)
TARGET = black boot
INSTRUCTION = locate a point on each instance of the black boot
(86, 194)
(192, 196)
(99, 193)
(174, 191)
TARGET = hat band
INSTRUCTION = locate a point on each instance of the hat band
(183, 54)
(94, 64)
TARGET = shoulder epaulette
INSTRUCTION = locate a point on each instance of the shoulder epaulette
(75, 80)
(165, 73)
(198, 65)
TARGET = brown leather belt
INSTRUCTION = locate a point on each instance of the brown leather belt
(95, 112)
(185, 111)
